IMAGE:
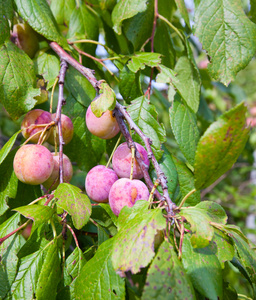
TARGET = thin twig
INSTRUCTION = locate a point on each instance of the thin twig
(74, 235)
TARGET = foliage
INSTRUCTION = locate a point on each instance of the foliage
(185, 105)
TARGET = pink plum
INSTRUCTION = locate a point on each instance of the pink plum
(125, 192)
(98, 182)
(122, 159)
(104, 127)
(33, 164)
(34, 117)
(53, 181)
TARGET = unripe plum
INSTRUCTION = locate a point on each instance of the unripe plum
(98, 183)
(122, 159)
(33, 164)
(27, 231)
(25, 38)
(125, 192)
(67, 130)
(104, 127)
(36, 117)
(53, 181)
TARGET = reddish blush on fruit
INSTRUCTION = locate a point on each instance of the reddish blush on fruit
(27, 231)
(53, 181)
(122, 159)
(105, 127)
(34, 117)
(98, 183)
(125, 192)
(33, 164)
(67, 130)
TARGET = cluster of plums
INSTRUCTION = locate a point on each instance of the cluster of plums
(104, 184)
(34, 163)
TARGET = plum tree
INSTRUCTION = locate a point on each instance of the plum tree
(98, 183)
(122, 159)
(67, 130)
(125, 192)
(25, 38)
(105, 127)
(33, 164)
(53, 181)
(34, 117)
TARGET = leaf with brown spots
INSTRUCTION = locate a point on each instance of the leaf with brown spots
(166, 278)
(78, 205)
(133, 246)
(219, 147)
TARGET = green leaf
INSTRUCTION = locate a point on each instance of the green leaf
(214, 211)
(220, 146)
(186, 183)
(168, 167)
(62, 10)
(8, 182)
(186, 79)
(252, 13)
(39, 16)
(25, 282)
(8, 146)
(246, 254)
(183, 11)
(98, 279)
(38, 213)
(129, 86)
(227, 35)
(49, 274)
(138, 29)
(83, 144)
(6, 14)
(79, 87)
(222, 246)
(133, 246)
(184, 127)
(78, 205)
(145, 116)
(103, 215)
(203, 269)
(8, 253)
(47, 65)
(105, 101)
(142, 59)
(17, 79)
(126, 9)
(166, 278)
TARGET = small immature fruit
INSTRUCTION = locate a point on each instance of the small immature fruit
(33, 164)
(53, 181)
(125, 192)
(67, 130)
(122, 159)
(27, 231)
(25, 38)
(105, 127)
(34, 117)
(98, 183)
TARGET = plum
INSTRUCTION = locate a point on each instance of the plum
(122, 159)
(27, 231)
(53, 181)
(67, 130)
(25, 38)
(33, 164)
(98, 182)
(34, 117)
(105, 127)
(125, 192)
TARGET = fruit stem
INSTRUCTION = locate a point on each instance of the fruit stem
(116, 145)
(153, 190)
(53, 228)
(53, 89)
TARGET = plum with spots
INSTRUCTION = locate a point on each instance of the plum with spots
(98, 182)
(67, 130)
(53, 181)
(32, 119)
(105, 127)
(122, 159)
(33, 164)
(125, 192)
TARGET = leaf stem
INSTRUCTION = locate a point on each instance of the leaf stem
(116, 145)
(74, 235)
(172, 26)
(185, 198)
(13, 232)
